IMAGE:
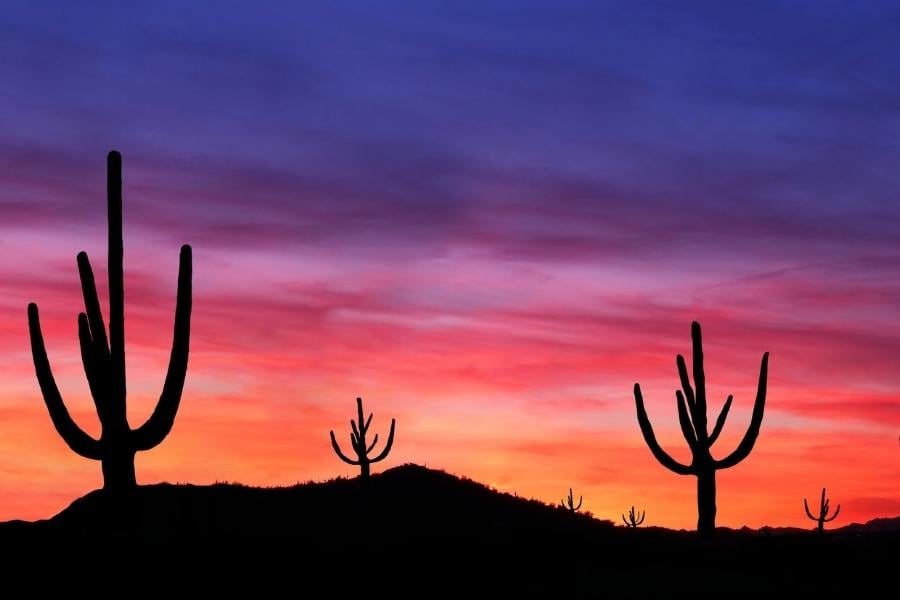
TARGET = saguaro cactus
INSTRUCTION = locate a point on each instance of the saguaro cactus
(634, 519)
(358, 443)
(824, 509)
(569, 503)
(104, 362)
(692, 417)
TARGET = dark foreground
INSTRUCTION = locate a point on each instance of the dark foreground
(422, 533)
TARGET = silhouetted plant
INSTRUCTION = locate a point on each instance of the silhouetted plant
(104, 362)
(358, 443)
(569, 503)
(634, 519)
(692, 417)
(824, 509)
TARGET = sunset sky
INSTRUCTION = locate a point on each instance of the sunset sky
(488, 219)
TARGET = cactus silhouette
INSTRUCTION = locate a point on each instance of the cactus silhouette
(824, 509)
(569, 503)
(358, 443)
(104, 362)
(634, 519)
(692, 417)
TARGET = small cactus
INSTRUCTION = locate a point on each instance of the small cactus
(569, 503)
(824, 509)
(634, 519)
(358, 443)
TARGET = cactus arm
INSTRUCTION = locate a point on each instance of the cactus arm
(80, 442)
(162, 419)
(387, 445)
(92, 370)
(641, 518)
(624, 521)
(759, 407)
(720, 422)
(92, 304)
(580, 499)
(808, 513)
(650, 438)
(337, 450)
(685, 382)
(94, 336)
(368, 422)
(355, 433)
(834, 516)
(684, 419)
(372, 445)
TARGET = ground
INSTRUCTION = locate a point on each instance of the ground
(413, 531)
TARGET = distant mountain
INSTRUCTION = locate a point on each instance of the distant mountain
(881, 524)
(419, 532)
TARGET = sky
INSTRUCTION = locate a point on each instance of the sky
(488, 219)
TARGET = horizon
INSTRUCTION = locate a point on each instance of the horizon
(489, 222)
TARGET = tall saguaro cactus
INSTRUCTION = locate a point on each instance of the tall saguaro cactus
(634, 518)
(824, 509)
(104, 361)
(692, 417)
(358, 443)
(569, 503)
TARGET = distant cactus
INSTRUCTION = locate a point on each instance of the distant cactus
(824, 509)
(692, 417)
(104, 362)
(358, 443)
(634, 519)
(569, 503)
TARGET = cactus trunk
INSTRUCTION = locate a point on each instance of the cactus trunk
(118, 470)
(706, 502)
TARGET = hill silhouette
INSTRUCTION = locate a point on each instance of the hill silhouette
(411, 529)
(405, 497)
